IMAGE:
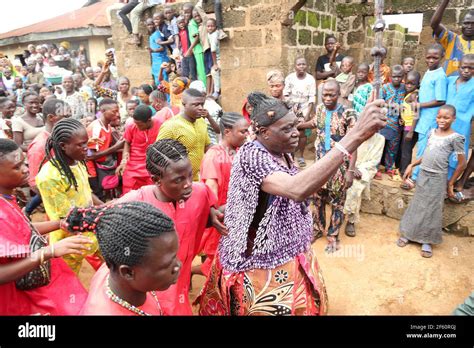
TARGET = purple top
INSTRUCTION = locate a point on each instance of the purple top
(286, 227)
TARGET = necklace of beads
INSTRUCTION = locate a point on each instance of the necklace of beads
(114, 298)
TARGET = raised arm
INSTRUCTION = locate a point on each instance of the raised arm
(437, 17)
(305, 183)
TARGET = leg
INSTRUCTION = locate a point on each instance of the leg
(125, 11)
(467, 173)
(352, 206)
(301, 146)
(337, 219)
(192, 68)
(407, 151)
(200, 67)
(218, 13)
(391, 154)
(135, 19)
(216, 79)
(185, 67)
(319, 213)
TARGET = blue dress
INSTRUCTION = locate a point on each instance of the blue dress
(462, 98)
(158, 58)
(433, 87)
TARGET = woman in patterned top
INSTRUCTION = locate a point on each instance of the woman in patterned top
(265, 265)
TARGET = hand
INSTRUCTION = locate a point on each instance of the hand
(349, 178)
(338, 46)
(372, 119)
(164, 65)
(81, 48)
(121, 168)
(217, 219)
(451, 190)
(357, 174)
(408, 172)
(72, 245)
(149, 49)
(204, 113)
(188, 53)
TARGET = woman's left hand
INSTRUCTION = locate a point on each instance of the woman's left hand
(217, 219)
(349, 178)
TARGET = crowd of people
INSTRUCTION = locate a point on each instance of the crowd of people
(140, 181)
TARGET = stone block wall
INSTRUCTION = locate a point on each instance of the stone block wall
(312, 24)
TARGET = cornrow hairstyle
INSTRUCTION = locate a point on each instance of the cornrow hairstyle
(266, 110)
(53, 106)
(142, 113)
(228, 120)
(62, 132)
(107, 101)
(146, 88)
(26, 95)
(123, 230)
(7, 146)
(160, 154)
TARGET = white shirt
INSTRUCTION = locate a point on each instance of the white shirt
(300, 91)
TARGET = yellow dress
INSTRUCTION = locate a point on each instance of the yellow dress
(58, 200)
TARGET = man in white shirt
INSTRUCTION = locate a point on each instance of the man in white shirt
(300, 93)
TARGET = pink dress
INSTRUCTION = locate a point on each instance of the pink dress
(190, 219)
(64, 295)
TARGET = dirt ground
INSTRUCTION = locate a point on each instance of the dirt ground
(371, 275)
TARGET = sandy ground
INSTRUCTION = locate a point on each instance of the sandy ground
(370, 274)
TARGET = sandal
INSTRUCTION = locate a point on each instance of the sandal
(408, 184)
(301, 162)
(426, 251)
(402, 242)
(333, 245)
(378, 175)
(350, 230)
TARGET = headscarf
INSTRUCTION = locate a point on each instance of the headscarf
(275, 76)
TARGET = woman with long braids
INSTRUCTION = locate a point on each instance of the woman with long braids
(265, 265)
(60, 291)
(190, 205)
(139, 245)
(63, 181)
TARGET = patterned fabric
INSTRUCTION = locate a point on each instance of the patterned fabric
(456, 47)
(361, 96)
(368, 158)
(58, 200)
(102, 92)
(282, 228)
(333, 192)
(386, 74)
(294, 288)
(193, 135)
(76, 102)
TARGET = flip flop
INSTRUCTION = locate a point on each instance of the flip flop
(426, 251)
(301, 162)
(402, 242)
(350, 230)
(378, 175)
(408, 184)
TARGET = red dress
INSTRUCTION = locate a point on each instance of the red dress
(190, 219)
(64, 295)
(98, 303)
(216, 164)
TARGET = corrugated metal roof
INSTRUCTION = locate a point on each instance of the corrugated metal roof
(93, 15)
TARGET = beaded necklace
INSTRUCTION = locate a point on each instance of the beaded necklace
(114, 298)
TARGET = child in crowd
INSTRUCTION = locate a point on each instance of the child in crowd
(215, 173)
(300, 92)
(431, 96)
(176, 89)
(188, 64)
(199, 43)
(461, 96)
(346, 80)
(164, 110)
(408, 64)
(422, 221)
(158, 52)
(102, 154)
(385, 71)
(190, 206)
(63, 181)
(276, 83)
(409, 118)
(52, 292)
(143, 94)
(170, 21)
(393, 93)
(214, 43)
(363, 88)
(139, 134)
(7, 110)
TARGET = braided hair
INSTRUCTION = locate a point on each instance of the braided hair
(123, 230)
(62, 132)
(266, 110)
(228, 120)
(160, 154)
